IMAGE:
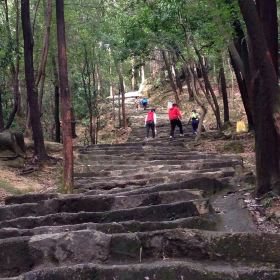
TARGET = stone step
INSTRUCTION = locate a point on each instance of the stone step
(160, 159)
(156, 270)
(162, 212)
(119, 183)
(146, 170)
(202, 185)
(29, 198)
(159, 151)
(128, 178)
(145, 157)
(204, 222)
(19, 255)
(79, 203)
(195, 164)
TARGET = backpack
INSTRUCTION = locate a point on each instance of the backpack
(145, 101)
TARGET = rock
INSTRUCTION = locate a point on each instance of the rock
(50, 146)
(12, 149)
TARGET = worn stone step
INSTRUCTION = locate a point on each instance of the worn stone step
(108, 185)
(157, 270)
(18, 255)
(29, 198)
(208, 186)
(163, 212)
(146, 157)
(107, 169)
(79, 203)
(204, 222)
(145, 174)
(99, 159)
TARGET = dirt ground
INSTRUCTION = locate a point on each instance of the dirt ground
(32, 178)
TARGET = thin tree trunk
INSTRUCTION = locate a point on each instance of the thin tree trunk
(188, 81)
(112, 93)
(1, 112)
(36, 8)
(224, 94)
(170, 76)
(119, 109)
(143, 78)
(203, 108)
(209, 88)
(206, 94)
(266, 96)
(177, 76)
(122, 91)
(114, 107)
(133, 75)
(65, 100)
(44, 55)
(56, 101)
(32, 94)
(236, 64)
(86, 78)
(14, 67)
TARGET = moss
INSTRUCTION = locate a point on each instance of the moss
(234, 147)
(10, 189)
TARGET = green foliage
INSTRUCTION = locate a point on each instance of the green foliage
(103, 32)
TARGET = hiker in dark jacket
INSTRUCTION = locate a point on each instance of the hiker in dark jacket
(150, 123)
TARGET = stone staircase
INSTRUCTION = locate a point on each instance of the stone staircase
(144, 210)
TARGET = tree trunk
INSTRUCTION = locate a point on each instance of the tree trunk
(56, 101)
(204, 111)
(266, 97)
(65, 99)
(119, 109)
(32, 94)
(206, 94)
(224, 94)
(188, 81)
(177, 76)
(91, 131)
(143, 78)
(122, 91)
(36, 8)
(44, 55)
(170, 76)
(1, 112)
(112, 93)
(14, 67)
(243, 92)
(209, 88)
(268, 14)
(133, 75)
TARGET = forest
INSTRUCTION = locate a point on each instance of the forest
(139, 140)
(60, 60)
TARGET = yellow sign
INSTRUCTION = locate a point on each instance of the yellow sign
(241, 127)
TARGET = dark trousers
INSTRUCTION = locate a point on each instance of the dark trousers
(195, 125)
(150, 125)
(175, 123)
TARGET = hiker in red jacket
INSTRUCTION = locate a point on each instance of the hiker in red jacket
(175, 117)
(150, 123)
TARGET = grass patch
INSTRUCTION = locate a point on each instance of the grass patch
(10, 189)
(235, 147)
